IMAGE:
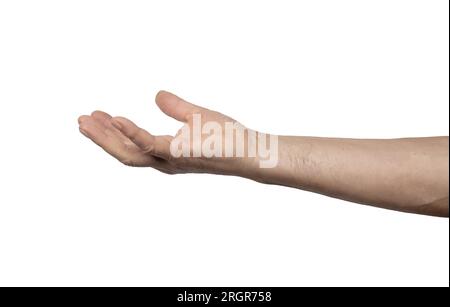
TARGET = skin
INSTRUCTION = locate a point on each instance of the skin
(409, 174)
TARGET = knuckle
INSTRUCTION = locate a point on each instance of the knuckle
(134, 134)
(148, 148)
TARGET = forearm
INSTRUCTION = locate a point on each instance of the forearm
(402, 174)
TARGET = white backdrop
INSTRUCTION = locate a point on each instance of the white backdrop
(72, 215)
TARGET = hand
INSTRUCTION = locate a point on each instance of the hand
(134, 146)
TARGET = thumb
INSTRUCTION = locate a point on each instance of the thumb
(176, 107)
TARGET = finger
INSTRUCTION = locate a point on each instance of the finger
(101, 116)
(105, 119)
(155, 145)
(176, 107)
(91, 128)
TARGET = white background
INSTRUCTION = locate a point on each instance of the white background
(72, 215)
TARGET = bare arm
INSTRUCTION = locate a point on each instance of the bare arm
(409, 175)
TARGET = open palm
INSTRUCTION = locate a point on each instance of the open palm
(134, 146)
